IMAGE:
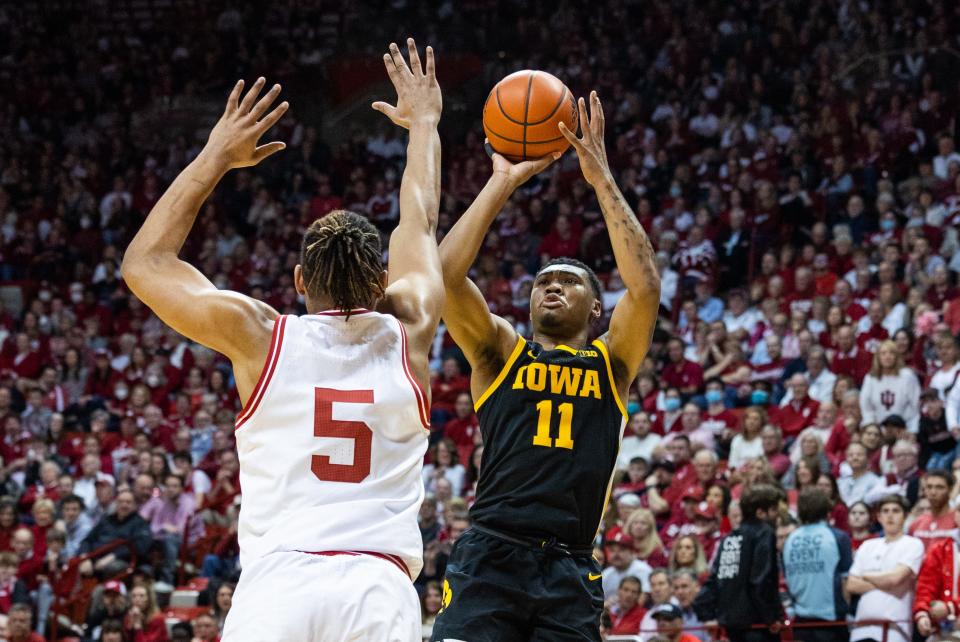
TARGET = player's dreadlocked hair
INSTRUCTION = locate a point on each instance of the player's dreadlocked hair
(594, 281)
(340, 258)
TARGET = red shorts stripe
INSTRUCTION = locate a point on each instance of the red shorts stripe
(393, 559)
(422, 404)
(269, 366)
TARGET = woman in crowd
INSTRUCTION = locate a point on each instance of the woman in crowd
(891, 388)
(642, 528)
(860, 521)
(145, 621)
(839, 517)
(687, 553)
(748, 443)
(430, 603)
(444, 458)
(222, 602)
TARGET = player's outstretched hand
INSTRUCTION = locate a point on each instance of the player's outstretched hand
(418, 94)
(233, 140)
(590, 147)
(516, 174)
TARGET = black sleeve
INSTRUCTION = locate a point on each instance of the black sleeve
(20, 593)
(765, 576)
(89, 542)
(141, 538)
(705, 605)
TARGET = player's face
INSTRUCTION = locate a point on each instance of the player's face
(562, 301)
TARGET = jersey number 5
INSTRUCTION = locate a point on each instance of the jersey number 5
(544, 417)
(324, 425)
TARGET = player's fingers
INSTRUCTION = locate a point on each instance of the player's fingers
(597, 120)
(271, 119)
(234, 97)
(544, 162)
(264, 103)
(415, 66)
(431, 64)
(398, 60)
(584, 121)
(569, 135)
(247, 103)
(269, 149)
(384, 108)
(391, 69)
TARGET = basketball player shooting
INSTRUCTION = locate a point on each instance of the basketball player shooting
(334, 427)
(551, 415)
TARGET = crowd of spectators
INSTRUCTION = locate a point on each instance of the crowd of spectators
(793, 163)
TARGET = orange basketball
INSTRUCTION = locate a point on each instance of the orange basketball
(522, 112)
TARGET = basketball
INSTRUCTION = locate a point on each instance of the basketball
(522, 112)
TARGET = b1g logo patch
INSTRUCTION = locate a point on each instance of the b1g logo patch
(447, 596)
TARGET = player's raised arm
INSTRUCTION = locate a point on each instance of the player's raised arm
(635, 316)
(228, 322)
(415, 289)
(476, 330)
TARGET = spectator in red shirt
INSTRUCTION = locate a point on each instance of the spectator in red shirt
(800, 412)
(681, 373)
(205, 629)
(464, 427)
(30, 563)
(145, 621)
(563, 240)
(871, 330)
(938, 523)
(843, 298)
(626, 613)
(849, 359)
(445, 389)
(19, 620)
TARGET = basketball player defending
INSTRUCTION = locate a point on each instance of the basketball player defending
(551, 414)
(333, 430)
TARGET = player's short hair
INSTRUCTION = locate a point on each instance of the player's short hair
(591, 275)
(340, 258)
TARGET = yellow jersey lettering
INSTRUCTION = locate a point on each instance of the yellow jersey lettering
(591, 385)
(564, 380)
(587, 353)
(518, 382)
(536, 376)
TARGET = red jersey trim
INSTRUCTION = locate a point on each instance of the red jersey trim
(341, 313)
(269, 366)
(423, 406)
(393, 559)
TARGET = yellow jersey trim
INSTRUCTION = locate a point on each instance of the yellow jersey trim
(566, 349)
(613, 384)
(517, 350)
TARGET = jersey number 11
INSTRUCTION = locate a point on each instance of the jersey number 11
(544, 417)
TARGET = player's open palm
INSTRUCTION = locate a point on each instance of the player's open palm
(590, 147)
(418, 94)
(234, 139)
(517, 174)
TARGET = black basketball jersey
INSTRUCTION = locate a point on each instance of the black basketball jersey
(551, 422)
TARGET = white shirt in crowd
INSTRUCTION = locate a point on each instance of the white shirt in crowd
(454, 474)
(944, 381)
(853, 490)
(634, 446)
(612, 577)
(881, 556)
(743, 450)
(891, 395)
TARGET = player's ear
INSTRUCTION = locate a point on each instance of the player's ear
(597, 311)
(384, 279)
(298, 281)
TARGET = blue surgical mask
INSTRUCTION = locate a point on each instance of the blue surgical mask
(759, 397)
(671, 404)
(675, 191)
(713, 396)
(887, 224)
(633, 408)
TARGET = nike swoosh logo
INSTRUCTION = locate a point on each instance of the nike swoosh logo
(593, 577)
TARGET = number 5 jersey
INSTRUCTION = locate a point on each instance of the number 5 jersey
(331, 442)
(551, 422)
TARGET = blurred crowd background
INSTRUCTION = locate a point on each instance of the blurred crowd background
(793, 163)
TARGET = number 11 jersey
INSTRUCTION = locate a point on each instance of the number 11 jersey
(331, 442)
(551, 422)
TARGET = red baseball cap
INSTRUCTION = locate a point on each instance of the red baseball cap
(706, 510)
(115, 586)
(620, 538)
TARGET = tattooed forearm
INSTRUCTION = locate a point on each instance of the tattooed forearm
(632, 248)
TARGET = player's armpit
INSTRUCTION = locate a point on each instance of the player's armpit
(485, 338)
(229, 322)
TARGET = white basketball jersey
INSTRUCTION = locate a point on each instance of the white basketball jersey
(331, 441)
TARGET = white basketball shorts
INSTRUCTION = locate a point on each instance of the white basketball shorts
(293, 596)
